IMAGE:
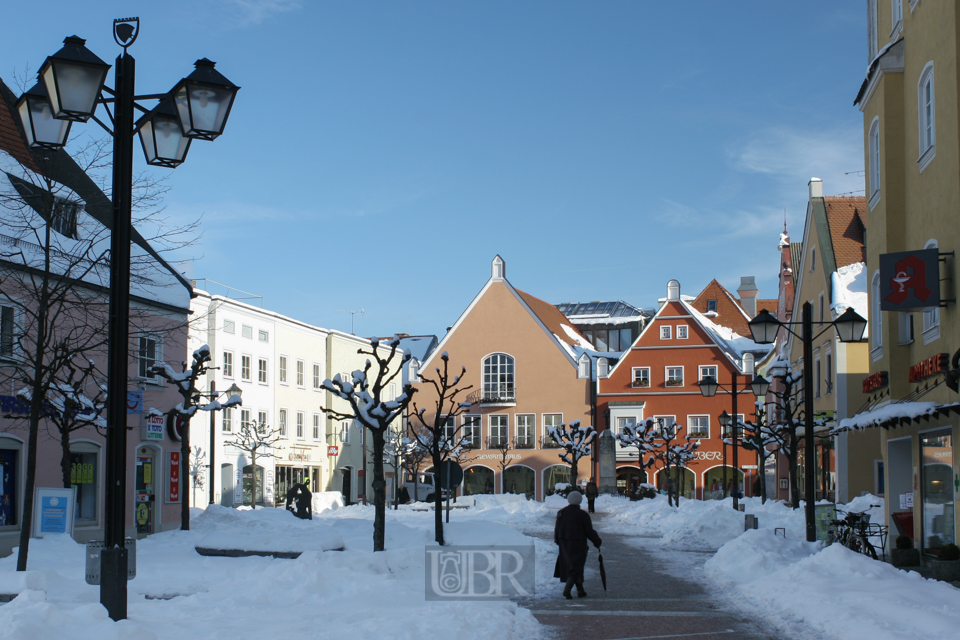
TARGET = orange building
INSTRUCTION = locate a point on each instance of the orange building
(521, 357)
(687, 340)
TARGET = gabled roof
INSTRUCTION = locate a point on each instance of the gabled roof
(556, 325)
(845, 216)
(796, 253)
(618, 309)
(729, 312)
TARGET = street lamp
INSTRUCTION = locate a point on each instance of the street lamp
(233, 390)
(850, 327)
(71, 89)
(708, 388)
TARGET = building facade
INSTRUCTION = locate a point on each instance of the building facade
(521, 359)
(911, 124)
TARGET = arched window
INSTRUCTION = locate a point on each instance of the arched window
(926, 108)
(498, 378)
(874, 151)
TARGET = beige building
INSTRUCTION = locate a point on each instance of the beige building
(910, 123)
(526, 364)
(831, 276)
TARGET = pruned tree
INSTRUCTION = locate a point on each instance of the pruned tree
(364, 393)
(661, 443)
(255, 439)
(757, 437)
(185, 382)
(437, 432)
(412, 456)
(503, 450)
(641, 437)
(788, 420)
(575, 441)
(75, 401)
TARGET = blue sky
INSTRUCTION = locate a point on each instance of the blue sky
(381, 153)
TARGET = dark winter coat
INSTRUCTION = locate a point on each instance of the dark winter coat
(571, 533)
(591, 491)
(304, 508)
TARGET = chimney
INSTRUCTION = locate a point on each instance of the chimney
(816, 188)
(748, 294)
(498, 268)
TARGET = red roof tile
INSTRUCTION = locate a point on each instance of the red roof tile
(11, 138)
(847, 220)
(551, 317)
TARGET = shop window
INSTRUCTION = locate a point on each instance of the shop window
(9, 481)
(84, 475)
(937, 491)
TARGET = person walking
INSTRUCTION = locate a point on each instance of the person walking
(304, 506)
(571, 533)
(592, 492)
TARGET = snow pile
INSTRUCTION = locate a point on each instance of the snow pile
(354, 593)
(323, 500)
(695, 523)
(838, 592)
(573, 335)
(850, 290)
(226, 528)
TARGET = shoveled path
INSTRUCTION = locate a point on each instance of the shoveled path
(642, 601)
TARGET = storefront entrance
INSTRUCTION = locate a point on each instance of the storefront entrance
(249, 473)
(226, 485)
(477, 479)
(687, 482)
(145, 491)
(716, 486)
(517, 479)
(936, 457)
(629, 480)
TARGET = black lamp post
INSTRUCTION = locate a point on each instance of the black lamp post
(850, 327)
(73, 83)
(234, 390)
(708, 388)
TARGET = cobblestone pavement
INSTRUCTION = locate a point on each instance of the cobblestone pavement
(642, 601)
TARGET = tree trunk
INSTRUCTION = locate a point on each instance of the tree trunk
(437, 494)
(184, 477)
(65, 466)
(253, 493)
(379, 491)
(762, 472)
(573, 471)
(792, 473)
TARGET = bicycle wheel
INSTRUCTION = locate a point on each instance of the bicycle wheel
(862, 545)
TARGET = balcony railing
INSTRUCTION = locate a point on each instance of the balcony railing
(524, 442)
(502, 394)
(497, 442)
(547, 442)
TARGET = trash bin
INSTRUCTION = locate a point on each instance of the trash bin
(93, 560)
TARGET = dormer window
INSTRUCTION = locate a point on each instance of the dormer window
(711, 306)
(583, 368)
(498, 268)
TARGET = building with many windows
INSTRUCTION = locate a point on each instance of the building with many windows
(523, 360)
(658, 377)
(911, 126)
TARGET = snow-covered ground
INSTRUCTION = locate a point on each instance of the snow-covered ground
(830, 592)
(352, 593)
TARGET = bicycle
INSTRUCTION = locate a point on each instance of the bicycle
(854, 532)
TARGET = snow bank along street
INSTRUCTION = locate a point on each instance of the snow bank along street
(796, 586)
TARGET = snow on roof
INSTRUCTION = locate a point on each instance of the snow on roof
(606, 320)
(849, 286)
(732, 343)
(576, 337)
(784, 240)
(894, 411)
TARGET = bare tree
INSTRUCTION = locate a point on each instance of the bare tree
(412, 456)
(757, 436)
(575, 441)
(643, 438)
(255, 439)
(660, 442)
(437, 432)
(365, 395)
(185, 382)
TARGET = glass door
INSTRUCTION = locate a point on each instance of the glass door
(936, 459)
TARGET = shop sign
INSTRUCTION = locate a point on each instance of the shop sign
(906, 500)
(910, 280)
(929, 367)
(708, 455)
(877, 381)
(300, 457)
(153, 429)
(175, 425)
(333, 450)
(55, 510)
(824, 516)
(134, 402)
(497, 456)
(174, 495)
(11, 405)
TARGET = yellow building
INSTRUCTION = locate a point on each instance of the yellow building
(910, 121)
(831, 276)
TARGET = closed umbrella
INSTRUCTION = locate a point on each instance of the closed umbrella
(603, 574)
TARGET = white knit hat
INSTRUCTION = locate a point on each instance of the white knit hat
(575, 497)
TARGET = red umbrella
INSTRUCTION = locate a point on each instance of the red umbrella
(603, 573)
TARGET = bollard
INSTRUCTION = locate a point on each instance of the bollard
(741, 507)
(750, 521)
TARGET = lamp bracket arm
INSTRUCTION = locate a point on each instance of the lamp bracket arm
(102, 125)
(823, 331)
(109, 91)
(152, 96)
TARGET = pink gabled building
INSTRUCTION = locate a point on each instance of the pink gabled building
(46, 195)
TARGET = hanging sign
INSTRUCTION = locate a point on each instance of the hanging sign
(175, 425)
(910, 280)
(333, 450)
(174, 474)
(153, 428)
(134, 402)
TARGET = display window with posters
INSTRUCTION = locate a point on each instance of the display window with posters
(9, 481)
(937, 490)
